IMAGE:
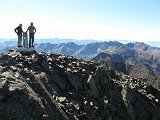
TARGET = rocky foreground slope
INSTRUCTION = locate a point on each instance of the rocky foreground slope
(57, 87)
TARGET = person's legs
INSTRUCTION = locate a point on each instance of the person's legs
(30, 40)
(19, 40)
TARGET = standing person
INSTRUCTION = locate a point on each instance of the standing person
(32, 31)
(19, 32)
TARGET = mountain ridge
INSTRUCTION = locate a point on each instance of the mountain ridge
(46, 86)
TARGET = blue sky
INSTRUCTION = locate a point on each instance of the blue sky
(137, 20)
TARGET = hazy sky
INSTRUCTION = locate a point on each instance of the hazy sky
(83, 19)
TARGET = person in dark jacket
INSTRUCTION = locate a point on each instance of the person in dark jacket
(32, 31)
(19, 32)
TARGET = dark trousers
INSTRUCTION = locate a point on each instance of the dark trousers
(31, 39)
(20, 40)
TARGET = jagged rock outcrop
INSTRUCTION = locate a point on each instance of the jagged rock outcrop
(47, 86)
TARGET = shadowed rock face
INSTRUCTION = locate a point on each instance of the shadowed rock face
(58, 87)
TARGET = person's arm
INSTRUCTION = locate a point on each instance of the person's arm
(35, 30)
(27, 29)
(15, 30)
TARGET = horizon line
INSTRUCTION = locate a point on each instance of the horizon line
(88, 39)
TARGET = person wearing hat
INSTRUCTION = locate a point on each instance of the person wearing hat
(19, 32)
(32, 31)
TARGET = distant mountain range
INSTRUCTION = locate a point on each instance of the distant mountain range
(5, 42)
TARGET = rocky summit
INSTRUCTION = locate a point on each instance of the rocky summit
(47, 86)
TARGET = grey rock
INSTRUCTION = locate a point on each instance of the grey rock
(59, 87)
